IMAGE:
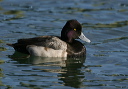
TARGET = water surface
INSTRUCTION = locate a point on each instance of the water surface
(105, 23)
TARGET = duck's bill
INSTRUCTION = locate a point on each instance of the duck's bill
(82, 37)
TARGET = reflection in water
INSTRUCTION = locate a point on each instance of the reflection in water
(110, 25)
(104, 21)
(115, 39)
(69, 68)
(16, 14)
(2, 48)
(73, 75)
(1, 74)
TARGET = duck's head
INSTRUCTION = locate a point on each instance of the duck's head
(73, 30)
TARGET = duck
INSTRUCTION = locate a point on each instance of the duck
(65, 45)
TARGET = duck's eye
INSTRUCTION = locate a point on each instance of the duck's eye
(74, 29)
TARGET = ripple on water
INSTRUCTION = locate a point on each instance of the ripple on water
(104, 23)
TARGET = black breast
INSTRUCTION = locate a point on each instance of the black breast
(76, 49)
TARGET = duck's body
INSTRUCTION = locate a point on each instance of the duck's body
(53, 46)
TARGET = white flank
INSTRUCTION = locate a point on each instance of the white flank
(45, 52)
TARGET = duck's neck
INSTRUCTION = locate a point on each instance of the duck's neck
(65, 38)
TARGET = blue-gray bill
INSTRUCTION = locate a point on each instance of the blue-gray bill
(84, 38)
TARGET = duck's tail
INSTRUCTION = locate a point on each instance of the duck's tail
(10, 45)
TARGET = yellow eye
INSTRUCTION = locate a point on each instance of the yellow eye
(74, 29)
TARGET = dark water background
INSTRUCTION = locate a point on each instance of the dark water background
(105, 23)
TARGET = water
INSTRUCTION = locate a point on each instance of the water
(105, 23)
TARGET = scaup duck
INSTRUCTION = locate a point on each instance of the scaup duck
(54, 46)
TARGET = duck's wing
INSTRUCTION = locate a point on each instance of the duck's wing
(33, 40)
(43, 41)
